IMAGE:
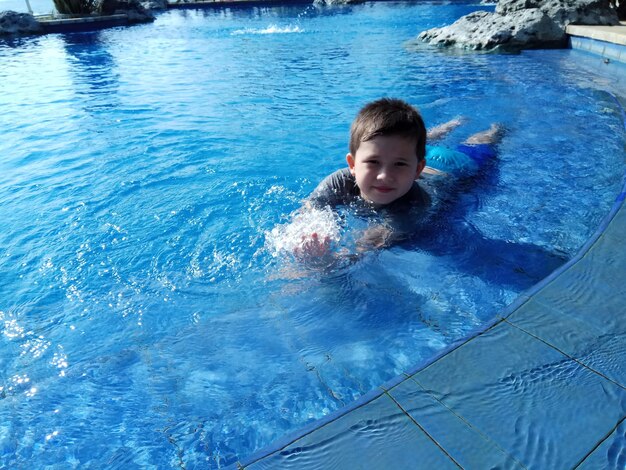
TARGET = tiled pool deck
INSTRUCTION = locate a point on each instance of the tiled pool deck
(543, 386)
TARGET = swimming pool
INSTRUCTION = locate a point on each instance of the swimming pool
(147, 319)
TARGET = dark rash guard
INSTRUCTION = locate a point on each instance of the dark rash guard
(340, 189)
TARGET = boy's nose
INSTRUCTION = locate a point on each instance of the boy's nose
(384, 174)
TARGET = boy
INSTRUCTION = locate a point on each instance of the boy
(388, 152)
(387, 155)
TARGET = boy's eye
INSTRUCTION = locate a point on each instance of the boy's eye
(401, 164)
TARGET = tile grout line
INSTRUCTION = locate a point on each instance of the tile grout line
(566, 355)
(424, 430)
(599, 443)
(476, 430)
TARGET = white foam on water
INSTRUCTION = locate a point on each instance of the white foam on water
(271, 29)
(285, 238)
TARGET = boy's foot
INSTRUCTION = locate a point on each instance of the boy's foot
(489, 136)
(441, 130)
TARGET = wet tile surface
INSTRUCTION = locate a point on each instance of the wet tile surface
(468, 447)
(582, 312)
(618, 224)
(611, 454)
(541, 407)
(596, 336)
(378, 435)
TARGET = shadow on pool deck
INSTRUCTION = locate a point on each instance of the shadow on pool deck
(543, 386)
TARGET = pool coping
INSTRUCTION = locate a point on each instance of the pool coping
(613, 34)
(289, 440)
(607, 42)
(83, 23)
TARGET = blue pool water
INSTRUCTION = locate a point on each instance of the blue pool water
(148, 317)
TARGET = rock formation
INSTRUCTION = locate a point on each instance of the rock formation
(14, 24)
(521, 24)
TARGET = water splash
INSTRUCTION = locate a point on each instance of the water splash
(286, 238)
(271, 29)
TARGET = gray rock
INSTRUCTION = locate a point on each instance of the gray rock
(521, 24)
(564, 12)
(15, 24)
(485, 31)
(155, 4)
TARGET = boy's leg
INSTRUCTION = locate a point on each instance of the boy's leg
(469, 157)
(481, 147)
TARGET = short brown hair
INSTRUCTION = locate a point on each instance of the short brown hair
(388, 116)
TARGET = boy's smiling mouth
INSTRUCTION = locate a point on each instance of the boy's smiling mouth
(383, 189)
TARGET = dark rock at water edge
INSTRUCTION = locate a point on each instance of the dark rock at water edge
(521, 24)
(17, 24)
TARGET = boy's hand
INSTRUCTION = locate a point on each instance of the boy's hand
(312, 247)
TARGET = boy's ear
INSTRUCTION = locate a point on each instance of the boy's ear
(350, 160)
(420, 167)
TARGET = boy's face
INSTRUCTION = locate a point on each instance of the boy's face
(385, 167)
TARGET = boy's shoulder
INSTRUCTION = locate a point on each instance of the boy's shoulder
(339, 178)
(338, 188)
